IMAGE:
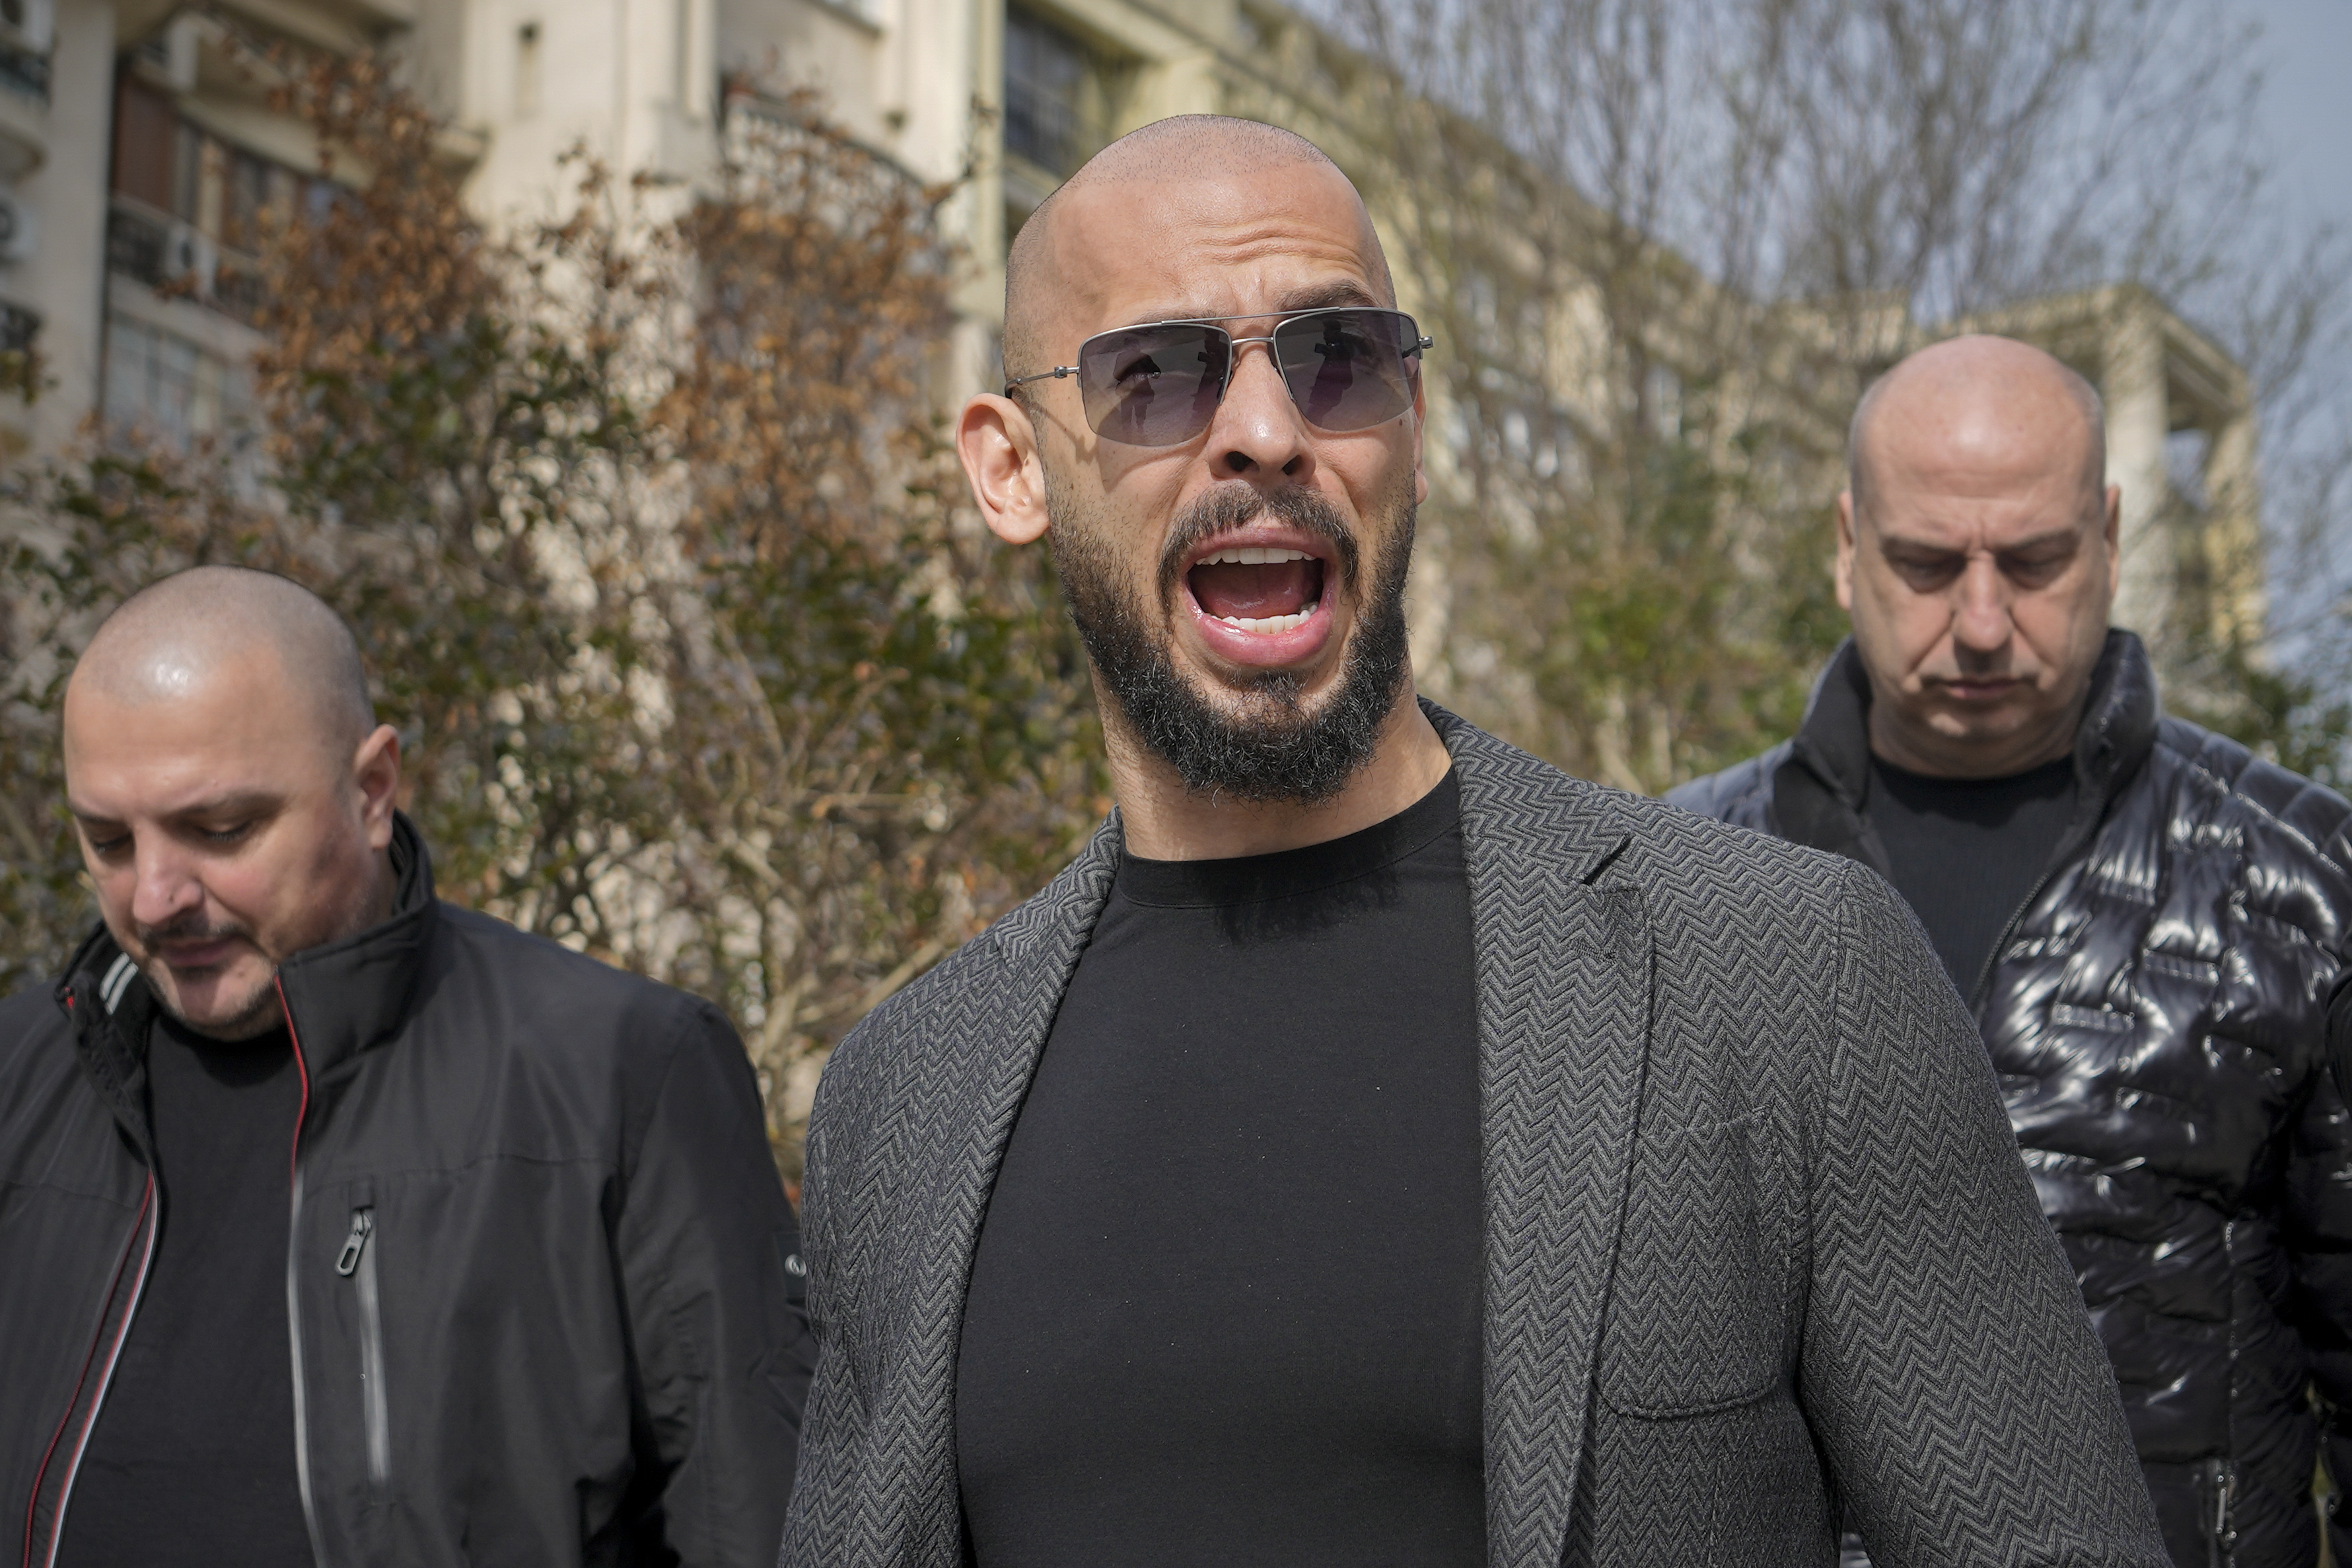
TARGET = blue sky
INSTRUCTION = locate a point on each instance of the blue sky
(2307, 49)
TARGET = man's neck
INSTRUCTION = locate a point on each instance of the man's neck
(1165, 821)
(1944, 757)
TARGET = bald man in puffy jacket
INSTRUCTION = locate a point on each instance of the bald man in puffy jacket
(2149, 923)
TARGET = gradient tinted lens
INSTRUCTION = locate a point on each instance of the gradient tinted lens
(1153, 386)
(1347, 369)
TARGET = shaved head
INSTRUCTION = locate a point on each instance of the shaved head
(1977, 553)
(1238, 583)
(1977, 380)
(231, 789)
(168, 640)
(1184, 147)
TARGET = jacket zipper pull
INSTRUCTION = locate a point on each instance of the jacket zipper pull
(356, 1243)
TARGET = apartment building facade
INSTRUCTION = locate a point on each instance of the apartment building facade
(137, 149)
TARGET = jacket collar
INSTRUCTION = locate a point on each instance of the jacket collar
(344, 995)
(1564, 985)
(1821, 793)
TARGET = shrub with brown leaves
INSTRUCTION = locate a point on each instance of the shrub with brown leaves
(658, 562)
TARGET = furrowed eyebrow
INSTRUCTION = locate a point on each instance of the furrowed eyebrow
(1893, 542)
(2064, 536)
(1324, 296)
(242, 803)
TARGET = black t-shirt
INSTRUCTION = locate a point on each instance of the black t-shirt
(191, 1462)
(1224, 1308)
(1966, 852)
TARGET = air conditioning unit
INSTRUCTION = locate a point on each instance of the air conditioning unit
(188, 253)
(17, 229)
(29, 24)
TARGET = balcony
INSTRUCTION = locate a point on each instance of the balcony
(175, 259)
(24, 72)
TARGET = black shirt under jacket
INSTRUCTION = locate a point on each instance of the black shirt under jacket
(1225, 1303)
(1965, 853)
(191, 1462)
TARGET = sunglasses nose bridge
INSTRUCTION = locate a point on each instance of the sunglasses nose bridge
(1234, 357)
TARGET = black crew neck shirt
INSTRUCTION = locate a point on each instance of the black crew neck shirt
(191, 1462)
(1966, 852)
(1225, 1306)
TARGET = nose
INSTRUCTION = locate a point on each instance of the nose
(1258, 431)
(1980, 620)
(163, 887)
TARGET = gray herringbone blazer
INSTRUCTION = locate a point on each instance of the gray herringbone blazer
(1759, 1246)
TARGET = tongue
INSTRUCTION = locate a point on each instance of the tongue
(1254, 593)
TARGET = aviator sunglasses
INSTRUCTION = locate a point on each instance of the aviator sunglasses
(1158, 383)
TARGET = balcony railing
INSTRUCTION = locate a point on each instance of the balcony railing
(22, 70)
(170, 255)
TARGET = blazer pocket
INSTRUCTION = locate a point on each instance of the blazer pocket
(1698, 1311)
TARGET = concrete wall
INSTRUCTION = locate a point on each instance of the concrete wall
(62, 279)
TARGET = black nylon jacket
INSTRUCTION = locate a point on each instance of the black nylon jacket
(544, 1286)
(2158, 1011)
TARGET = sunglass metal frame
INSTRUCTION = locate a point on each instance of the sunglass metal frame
(1412, 342)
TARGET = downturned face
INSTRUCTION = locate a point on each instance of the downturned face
(221, 833)
(1979, 569)
(1244, 587)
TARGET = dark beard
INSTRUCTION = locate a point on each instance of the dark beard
(1273, 750)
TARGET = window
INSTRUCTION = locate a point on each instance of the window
(527, 68)
(32, 22)
(190, 209)
(1045, 92)
(160, 384)
(146, 129)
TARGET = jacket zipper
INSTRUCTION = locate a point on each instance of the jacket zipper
(2219, 1553)
(293, 1288)
(357, 1263)
(146, 1217)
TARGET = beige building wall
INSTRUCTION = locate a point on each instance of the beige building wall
(1016, 92)
(57, 266)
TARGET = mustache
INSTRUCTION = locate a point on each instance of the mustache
(1231, 506)
(192, 928)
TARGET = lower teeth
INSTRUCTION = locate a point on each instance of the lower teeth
(1267, 624)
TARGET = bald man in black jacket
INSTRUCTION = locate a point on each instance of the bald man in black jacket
(341, 1225)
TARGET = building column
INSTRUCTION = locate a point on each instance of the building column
(65, 275)
(2132, 385)
(2233, 533)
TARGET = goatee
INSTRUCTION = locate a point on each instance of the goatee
(1263, 745)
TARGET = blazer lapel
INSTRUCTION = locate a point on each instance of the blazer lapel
(1564, 997)
(959, 1117)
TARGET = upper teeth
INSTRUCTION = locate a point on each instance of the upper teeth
(1253, 557)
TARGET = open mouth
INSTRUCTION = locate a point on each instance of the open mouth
(1265, 590)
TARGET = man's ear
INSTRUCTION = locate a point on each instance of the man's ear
(375, 771)
(999, 449)
(1846, 551)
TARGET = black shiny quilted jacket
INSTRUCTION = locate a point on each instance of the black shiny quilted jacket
(2158, 1011)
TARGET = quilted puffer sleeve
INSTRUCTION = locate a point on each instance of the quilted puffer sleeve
(2319, 1243)
(1949, 1371)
